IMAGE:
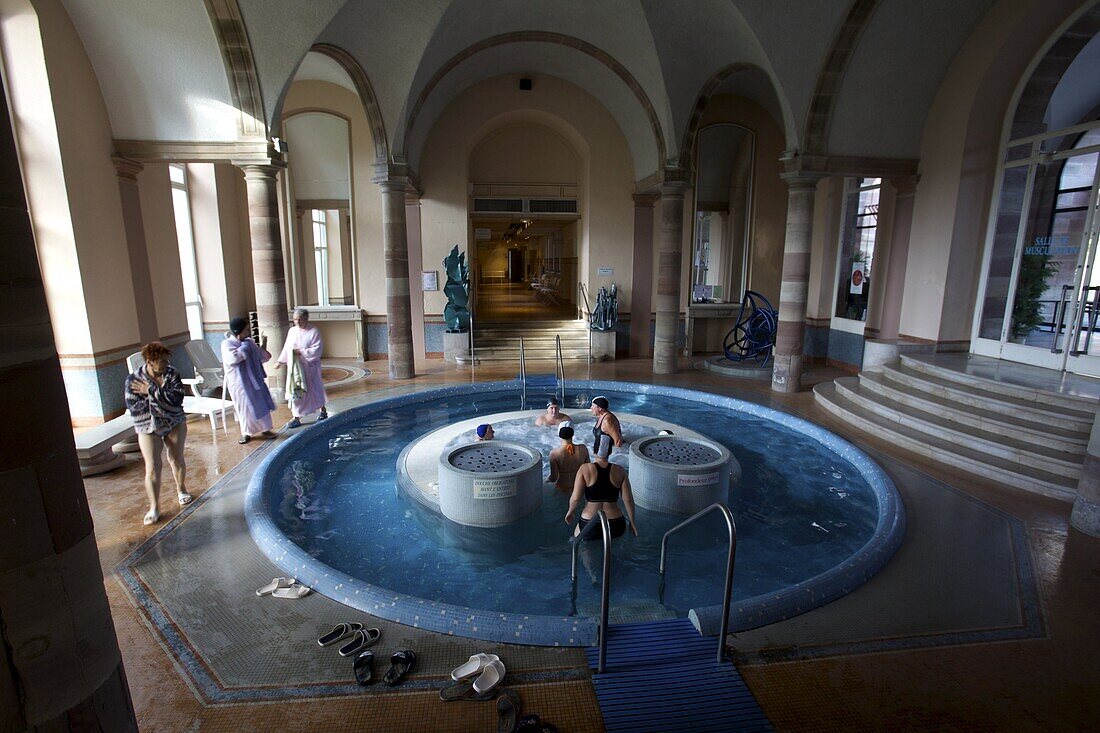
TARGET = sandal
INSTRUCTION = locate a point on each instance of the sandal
(362, 667)
(185, 498)
(151, 517)
(339, 631)
(295, 423)
(464, 690)
(360, 638)
(274, 585)
(244, 439)
(508, 707)
(401, 663)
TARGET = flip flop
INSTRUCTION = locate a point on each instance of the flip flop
(339, 631)
(185, 498)
(360, 638)
(464, 690)
(294, 592)
(490, 677)
(244, 439)
(274, 585)
(474, 666)
(401, 663)
(508, 707)
(362, 667)
(151, 517)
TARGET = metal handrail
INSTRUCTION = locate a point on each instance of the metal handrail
(588, 315)
(584, 294)
(523, 373)
(471, 300)
(732, 526)
(605, 593)
(560, 363)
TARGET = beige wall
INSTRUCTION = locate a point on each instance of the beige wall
(524, 153)
(216, 216)
(821, 295)
(606, 172)
(366, 196)
(160, 241)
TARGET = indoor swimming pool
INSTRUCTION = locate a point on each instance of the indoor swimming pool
(815, 518)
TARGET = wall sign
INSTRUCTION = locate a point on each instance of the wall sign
(696, 479)
(605, 271)
(858, 278)
(429, 280)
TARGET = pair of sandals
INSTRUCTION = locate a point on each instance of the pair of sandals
(153, 516)
(297, 422)
(246, 438)
(475, 680)
(401, 663)
(284, 588)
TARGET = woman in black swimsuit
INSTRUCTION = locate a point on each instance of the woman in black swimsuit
(601, 484)
(606, 423)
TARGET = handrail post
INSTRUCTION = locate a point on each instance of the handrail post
(561, 362)
(731, 525)
(523, 373)
(473, 306)
(605, 595)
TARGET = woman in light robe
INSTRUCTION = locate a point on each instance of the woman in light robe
(243, 361)
(302, 354)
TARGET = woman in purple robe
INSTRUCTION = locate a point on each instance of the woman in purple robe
(243, 360)
(305, 390)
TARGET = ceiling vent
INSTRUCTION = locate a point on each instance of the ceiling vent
(506, 206)
(525, 84)
(553, 206)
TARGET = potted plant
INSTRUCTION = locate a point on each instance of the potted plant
(1031, 284)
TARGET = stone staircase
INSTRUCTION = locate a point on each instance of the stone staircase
(1020, 436)
(498, 341)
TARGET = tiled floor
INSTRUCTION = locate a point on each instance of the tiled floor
(860, 680)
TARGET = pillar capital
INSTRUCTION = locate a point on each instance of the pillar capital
(905, 186)
(126, 168)
(395, 177)
(674, 182)
(645, 200)
(260, 170)
(801, 180)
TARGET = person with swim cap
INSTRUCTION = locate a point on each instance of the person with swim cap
(484, 431)
(600, 484)
(553, 415)
(566, 459)
(606, 424)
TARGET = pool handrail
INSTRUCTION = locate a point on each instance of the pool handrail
(471, 299)
(731, 525)
(588, 325)
(523, 373)
(559, 363)
(605, 591)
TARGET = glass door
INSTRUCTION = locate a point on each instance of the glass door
(1041, 289)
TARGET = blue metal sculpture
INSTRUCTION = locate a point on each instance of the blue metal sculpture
(753, 337)
(606, 313)
(457, 313)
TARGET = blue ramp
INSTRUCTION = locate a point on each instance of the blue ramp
(664, 676)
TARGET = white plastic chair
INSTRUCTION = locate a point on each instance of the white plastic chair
(209, 374)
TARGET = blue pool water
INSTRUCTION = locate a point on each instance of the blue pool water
(802, 509)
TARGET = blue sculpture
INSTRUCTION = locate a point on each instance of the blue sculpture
(457, 313)
(606, 313)
(753, 337)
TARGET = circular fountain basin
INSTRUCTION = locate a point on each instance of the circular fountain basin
(680, 475)
(489, 483)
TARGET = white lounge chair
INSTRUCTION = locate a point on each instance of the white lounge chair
(209, 374)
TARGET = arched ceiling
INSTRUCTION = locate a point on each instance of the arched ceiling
(163, 76)
(318, 67)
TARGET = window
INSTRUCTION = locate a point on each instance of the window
(857, 247)
(320, 253)
(185, 240)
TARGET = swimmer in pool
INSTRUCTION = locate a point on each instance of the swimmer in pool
(565, 460)
(553, 415)
(484, 431)
(600, 484)
(606, 423)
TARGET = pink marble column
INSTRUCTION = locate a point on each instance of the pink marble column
(641, 287)
(416, 264)
(669, 269)
(787, 369)
(395, 244)
(60, 666)
(268, 271)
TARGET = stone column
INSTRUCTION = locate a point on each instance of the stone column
(669, 269)
(134, 224)
(60, 666)
(787, 369)
(267, 263)
(886, 299)
(395, 243)
(641, 287)
(1086, 507)
(416, 264)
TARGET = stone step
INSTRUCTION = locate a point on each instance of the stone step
(1071, 441)
(944, 451)
(532, 325)
(514, 358)
(545, 342)
(1053, 400)
(1023, 452)
(987, 400)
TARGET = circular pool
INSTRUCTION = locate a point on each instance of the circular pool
(815, 517)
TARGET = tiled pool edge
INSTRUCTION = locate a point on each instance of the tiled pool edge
(564, 631)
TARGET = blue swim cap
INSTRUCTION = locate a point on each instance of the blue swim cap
(482, 429)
